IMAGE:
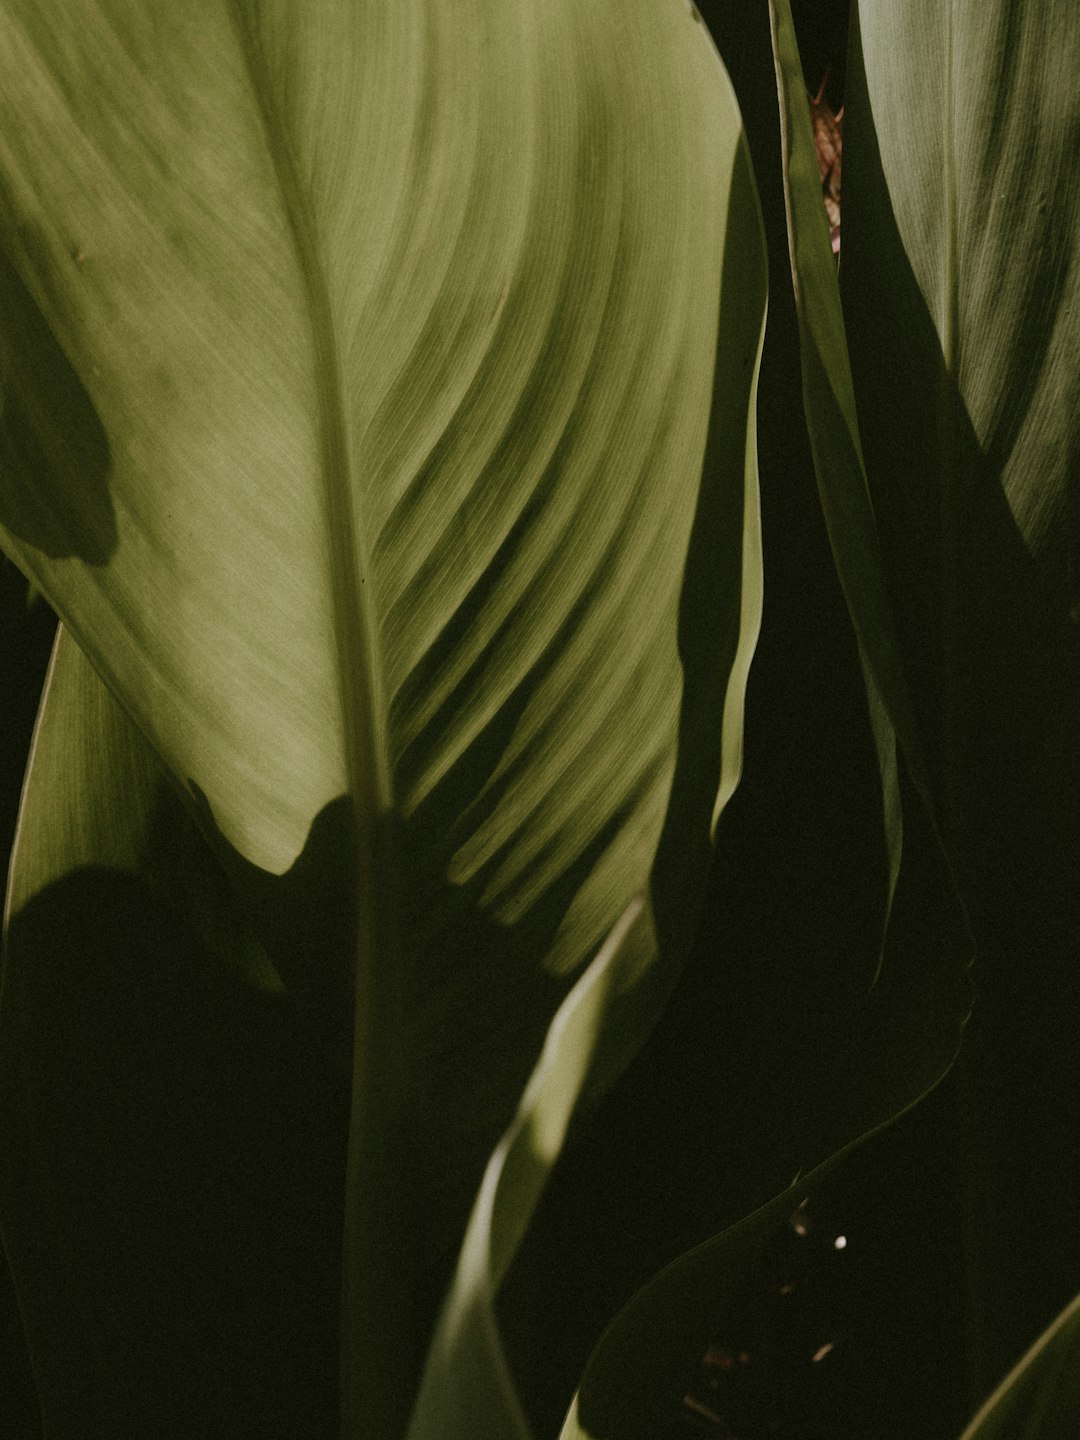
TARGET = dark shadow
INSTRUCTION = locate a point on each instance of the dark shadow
(774, 1049)
(171, 1182)
(806, 1068)
(798, 1323)
(54, 452)
(992, 645)
(161, 1105)
(986, 625)
(26, 636)
(175, 1128)
(303, 921)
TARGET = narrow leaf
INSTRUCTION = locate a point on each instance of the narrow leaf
(1040, 1397)
(829, 404)
(467, 1387)
(828, 394)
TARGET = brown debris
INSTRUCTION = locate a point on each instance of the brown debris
(828, 141)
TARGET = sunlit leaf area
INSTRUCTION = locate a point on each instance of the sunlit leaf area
(540, 685)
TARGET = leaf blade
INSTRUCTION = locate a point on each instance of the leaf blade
(491, 467)
(467, 1386)
(1036, 1398)
(958, 281)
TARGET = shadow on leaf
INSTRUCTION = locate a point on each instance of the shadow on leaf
(54, 452)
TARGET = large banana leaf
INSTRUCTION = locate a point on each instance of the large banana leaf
(960, 282)
(173, 1140)
(358, 366)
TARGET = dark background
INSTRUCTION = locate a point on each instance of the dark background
(793, 891)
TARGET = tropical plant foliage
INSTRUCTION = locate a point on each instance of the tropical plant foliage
(406, 1028)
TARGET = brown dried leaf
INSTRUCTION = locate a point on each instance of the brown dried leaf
(828, 140)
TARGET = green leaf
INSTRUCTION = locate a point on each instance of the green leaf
(467, 1387)
(96, 795)
(26, 630)
(655, 1342)
(898, 1040)
(173, 1140)
(960, 280)
(348, 384)
(959, 285)
(1040, 1397)
(848, 508)
(358, 368)
(843, 482)
(829, 403)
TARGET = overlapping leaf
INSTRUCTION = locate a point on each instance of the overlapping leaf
(467, 1387)
(358, 369)
(959, 288)
(959, 276)
(889, 1046)
(829, 404)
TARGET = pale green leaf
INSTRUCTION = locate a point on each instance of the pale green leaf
(96, 795)
(330, 336)
(359, 364)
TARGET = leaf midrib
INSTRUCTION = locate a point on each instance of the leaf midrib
(368, 772)
(356, 633)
